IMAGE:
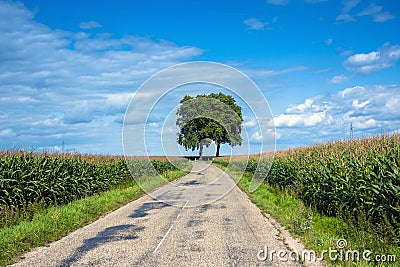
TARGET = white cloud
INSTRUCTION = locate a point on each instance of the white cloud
(78, 113)
(301, 107)
(339, 79)
(393, 104)
(7, 133)
(350, 90)
(74, 86)
(304, 120)
(268, 73)
(117, 102)
(341, 18)
(345, 53)
(376, 13)
(345, 16)
(382, 17)
(356, 104)
(364, 58)
(370, 109)
(348, 5)
(20, 99)
(365, 124)
(314, 119)
(370, 10)
(153, 124)
(385, 57)
(47, 122)
(90, 25)
(256, 137)
(250, 123)
(256, 24)
(269, 135)
(288, 120)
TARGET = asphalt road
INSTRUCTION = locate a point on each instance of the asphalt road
(204, 226)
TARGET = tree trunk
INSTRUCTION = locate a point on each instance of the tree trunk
(218, 146)
(201, 150)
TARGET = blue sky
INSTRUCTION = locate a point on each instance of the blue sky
(69, 68)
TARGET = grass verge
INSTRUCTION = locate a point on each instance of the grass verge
(319, 232)
(51, 224)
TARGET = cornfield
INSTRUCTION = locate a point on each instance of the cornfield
(346, 177)
(55, 179)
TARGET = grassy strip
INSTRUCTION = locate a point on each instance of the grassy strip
(318, 232)
(51, 224)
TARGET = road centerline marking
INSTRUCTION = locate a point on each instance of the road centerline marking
(162, 240)
(170, 228)
(172, 225)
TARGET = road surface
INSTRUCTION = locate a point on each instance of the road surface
(196, 230)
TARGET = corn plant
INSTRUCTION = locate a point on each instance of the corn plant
(346, 177)
(53, 179)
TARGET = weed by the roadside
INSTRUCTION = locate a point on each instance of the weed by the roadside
(302, 222)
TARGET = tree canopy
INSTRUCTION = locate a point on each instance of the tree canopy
(206, 118)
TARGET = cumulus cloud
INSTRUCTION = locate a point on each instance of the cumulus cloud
(365, 124)
(305, 114)
(356, 104)
(365, 63)
(339, 79)
(301, 108)
(61, 85)
(370, 109)
(303, 120)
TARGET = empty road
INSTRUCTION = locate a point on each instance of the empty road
(196, 230)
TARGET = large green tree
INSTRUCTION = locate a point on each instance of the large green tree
(206, 118)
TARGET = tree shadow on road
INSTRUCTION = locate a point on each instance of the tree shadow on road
(110, 234)
(142, 211)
